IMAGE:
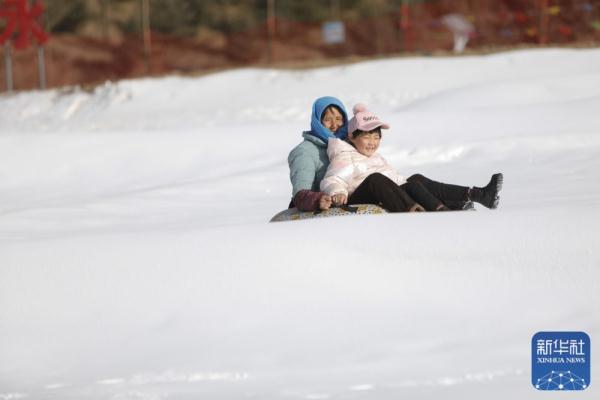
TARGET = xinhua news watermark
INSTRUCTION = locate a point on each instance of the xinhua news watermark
(560, 361)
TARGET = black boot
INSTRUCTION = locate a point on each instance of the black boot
(488, 195)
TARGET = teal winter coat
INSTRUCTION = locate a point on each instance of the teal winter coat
(308, 163)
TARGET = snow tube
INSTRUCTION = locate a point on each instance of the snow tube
(293, 214)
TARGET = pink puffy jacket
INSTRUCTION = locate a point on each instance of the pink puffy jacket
(348, 168)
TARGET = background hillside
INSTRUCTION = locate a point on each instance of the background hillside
(97, 40)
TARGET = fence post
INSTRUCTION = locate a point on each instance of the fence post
(42, 67)
(42, 61)
(8, 66)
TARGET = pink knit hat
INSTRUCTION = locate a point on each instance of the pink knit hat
(364, 120)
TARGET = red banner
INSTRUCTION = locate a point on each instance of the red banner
(22, 21)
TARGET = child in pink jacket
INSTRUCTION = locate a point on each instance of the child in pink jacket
(358, 174)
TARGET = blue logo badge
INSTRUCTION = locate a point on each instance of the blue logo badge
(560, 360)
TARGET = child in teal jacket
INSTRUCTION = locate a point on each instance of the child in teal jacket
(309, 161)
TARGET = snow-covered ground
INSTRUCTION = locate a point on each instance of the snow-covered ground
(137, 261)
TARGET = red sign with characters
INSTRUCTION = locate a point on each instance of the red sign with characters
(21, 19)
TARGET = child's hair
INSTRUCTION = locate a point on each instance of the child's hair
(359, 132)
(330, 109)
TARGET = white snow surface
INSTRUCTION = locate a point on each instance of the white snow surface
(137, 261)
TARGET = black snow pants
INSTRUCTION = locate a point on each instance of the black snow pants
(379, 189)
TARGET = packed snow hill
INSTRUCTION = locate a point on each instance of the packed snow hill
(137, 261)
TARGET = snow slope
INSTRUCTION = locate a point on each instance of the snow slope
(136, 261)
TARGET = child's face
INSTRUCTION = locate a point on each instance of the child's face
(332, 119)
(367, 143)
